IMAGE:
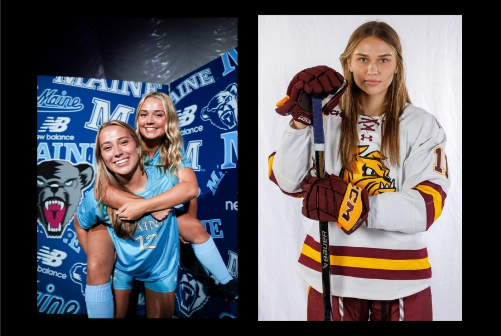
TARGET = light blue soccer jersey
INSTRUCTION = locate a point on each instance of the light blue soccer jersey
(185, 163)
(153, 253)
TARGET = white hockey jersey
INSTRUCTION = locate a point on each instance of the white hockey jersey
(385, 258)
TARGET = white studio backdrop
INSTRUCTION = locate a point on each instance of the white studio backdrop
(432, 50)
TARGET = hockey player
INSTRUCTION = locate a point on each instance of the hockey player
(386, 182)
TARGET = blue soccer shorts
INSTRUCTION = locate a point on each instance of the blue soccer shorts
(123, 281)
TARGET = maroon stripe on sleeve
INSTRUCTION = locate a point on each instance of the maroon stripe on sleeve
(438, 188)
(430, 207)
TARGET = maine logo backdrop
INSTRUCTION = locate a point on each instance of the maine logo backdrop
(69, 113)
(207, 101)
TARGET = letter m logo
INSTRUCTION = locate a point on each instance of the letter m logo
(101, 113)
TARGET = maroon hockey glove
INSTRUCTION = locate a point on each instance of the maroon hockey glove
(332, 199)
(319, 81)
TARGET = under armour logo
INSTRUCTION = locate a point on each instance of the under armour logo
(366, 137)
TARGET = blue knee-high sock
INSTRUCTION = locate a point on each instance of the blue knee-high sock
(209, 256)
(99, 301)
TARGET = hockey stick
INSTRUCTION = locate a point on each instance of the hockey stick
(318, 139)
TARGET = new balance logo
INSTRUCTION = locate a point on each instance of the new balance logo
(58, 125)
(52, 258)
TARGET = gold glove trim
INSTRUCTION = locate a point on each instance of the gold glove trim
(351, 208)
(282, 101)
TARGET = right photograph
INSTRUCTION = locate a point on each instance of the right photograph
(360, 208)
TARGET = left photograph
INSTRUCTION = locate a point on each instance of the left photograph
(137, 199)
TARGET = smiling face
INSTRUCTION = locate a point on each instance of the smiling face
(373, 65)
(151, 119)
(118, 150)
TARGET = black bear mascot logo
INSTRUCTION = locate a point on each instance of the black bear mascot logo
(60, 186)
(222, 109)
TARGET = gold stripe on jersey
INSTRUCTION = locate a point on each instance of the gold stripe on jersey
(270, 164)
(364, 262)
(437, 199)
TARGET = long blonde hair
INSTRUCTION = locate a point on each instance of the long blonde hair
(170, 149)
(123, 229)
(393, 106)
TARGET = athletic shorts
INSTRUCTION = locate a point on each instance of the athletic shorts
(123, 281)
(415, 307)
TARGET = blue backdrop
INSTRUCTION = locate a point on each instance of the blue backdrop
(69, 113)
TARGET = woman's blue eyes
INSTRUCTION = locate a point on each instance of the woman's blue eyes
(364, 60)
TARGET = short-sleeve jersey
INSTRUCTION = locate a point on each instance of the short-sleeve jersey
(153, 252)
(185, 163)
(386, 258)
(155, 159)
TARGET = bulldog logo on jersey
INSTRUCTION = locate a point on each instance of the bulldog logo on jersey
(371, 173)
(60, 184)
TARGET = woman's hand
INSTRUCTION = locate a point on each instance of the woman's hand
(131, 210)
